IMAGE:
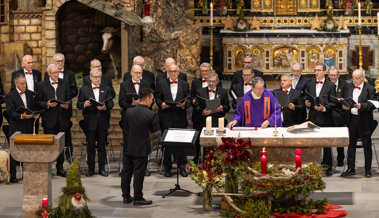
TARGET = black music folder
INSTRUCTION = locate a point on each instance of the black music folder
(58, 101)
(23, 109)
(129, 97)
(282, 98)
(97, 103)
(209, 104)
(322, 99)
(173, 104)
(349, 102)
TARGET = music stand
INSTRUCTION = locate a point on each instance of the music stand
(181, 142)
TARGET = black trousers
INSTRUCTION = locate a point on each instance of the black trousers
(137, 166)
(68, 139)
(99, 136)
(13, 165)
(355, 132)
(57, 129)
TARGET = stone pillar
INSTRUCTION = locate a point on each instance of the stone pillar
(124, 50)
(267, 54)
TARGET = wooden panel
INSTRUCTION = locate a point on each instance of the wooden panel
(29, 139)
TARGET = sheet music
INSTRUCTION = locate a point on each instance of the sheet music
(179, 136)
(375, 103)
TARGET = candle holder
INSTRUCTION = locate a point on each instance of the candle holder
(209, 132)
(360, 47)
(276, 133)
(221, 133)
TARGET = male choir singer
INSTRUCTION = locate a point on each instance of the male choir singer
(140, 120)
(360, 121)
(240, 89)
(20, 96)
(55, 116)
(96, 119)
(258, 108)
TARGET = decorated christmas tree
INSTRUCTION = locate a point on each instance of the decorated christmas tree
(73, 202)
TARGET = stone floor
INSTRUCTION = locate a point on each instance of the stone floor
(357, 194)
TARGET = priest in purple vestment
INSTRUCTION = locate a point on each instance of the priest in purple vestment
(257, 108)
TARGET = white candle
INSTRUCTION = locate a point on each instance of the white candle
(211, 14)
(359, 13)
(221, 124)
(208, 126)
(378, 24)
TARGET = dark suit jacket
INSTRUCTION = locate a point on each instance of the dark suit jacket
(139, 122)
(128, 87)
(365, 113)
(197, 84)
(340, 116)
(146, 75)
(92, 116)
(324, 119)
(238, 90)
(220, 93)
(290, 117)
(237, 77)
(36, 75)
(163, 76)
(173, 117)
(13, 102)
(105, 79)
(56, 114)
(302, 84)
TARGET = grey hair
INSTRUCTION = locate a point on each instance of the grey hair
(333, 68)
(169, 59)
(256, 80)
(205, 64)
(94, 61)
(248, 67)
(95, 70)
(173, 65)
(138, 57)
(51, 66)
(134, 66)
(289, 76)
(58, 54)
(362, 72)
(321, 64)
(17, 77)
(296, 64)
(212, 75)
(248, 56)
(23, 58)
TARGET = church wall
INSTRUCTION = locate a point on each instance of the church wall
(370, 50)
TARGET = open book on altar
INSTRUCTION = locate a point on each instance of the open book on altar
(304, 126)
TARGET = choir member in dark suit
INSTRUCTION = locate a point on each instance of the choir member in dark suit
(173, 89)
(55, 116)
(146, 75)
(140, 120)
(299, 82)
(340, 116)
(212, 91)
(237, 77)
(105, 79)
(33, 77)
(360, 121)
(96, 119)
(69, 76)
(322, 115)
(290, 112)
(20, 96)
(240, 89)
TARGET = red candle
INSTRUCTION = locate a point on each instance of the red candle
(45, 202)
(264, 164)
(298, 162)
(147, 9)
(298, 152)
(263, 152)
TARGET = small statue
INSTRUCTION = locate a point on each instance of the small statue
(329, 6)
(240, 6)
(230, 4)
(368, 6)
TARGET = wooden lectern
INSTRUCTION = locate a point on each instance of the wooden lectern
(37, 152)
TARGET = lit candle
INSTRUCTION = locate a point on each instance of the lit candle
(378, 24)
(211, 14)
(45, 202)
(221, 124)
(147, 9)
(264, 165)
(359, 13)
(263, 152)
(298, 152)
(209, 124)
(298, 162)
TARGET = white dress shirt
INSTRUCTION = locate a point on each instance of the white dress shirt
(96, 92)
(29, 80)
(23, 98)
(319, 86)
(336, 86)
(356, 94)
(174, 89)
(55, 86)
(211, 94)
(246, 88)
(61, 75)
(295, 81)
(204, 84)
(136, 86)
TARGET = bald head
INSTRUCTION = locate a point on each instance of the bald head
(169, 61)
(28, 63)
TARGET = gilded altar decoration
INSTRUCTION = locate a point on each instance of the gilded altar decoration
(256, 4)
(313, 56)
(255, 24)
(285, 7)
(284, 56)
(239, 52)
(349, 6)
(303, 4)
(316, 24)
(267, 4)
(368, 6)
(313, 4)
(330, 53)
(342, 24)
(240, 7)
(228, 23)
